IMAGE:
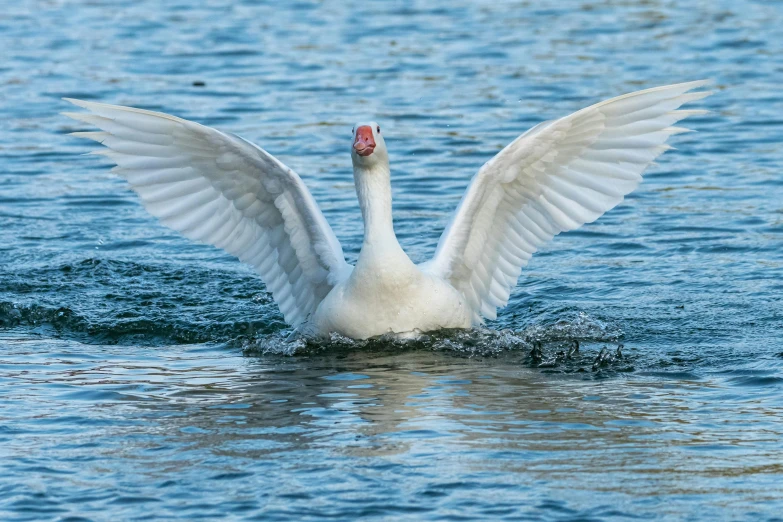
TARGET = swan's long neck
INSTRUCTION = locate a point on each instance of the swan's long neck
(373, 188)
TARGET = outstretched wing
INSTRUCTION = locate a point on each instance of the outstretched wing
(555, 177)
(225, 191)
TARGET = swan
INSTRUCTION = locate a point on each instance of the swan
(220, 189)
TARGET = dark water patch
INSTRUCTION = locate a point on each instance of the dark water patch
(561, 348)
(12, 315)
(125, 327)
(134, 500)
(142, 311)
(757, 380)
(752, 377)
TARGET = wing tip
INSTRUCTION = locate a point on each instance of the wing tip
(72, 115)
(79, 103)
(683, 87)
(108, 110)
(99, 136)
(695, 83)
(673, 131)
(685, 113)
(697, 95)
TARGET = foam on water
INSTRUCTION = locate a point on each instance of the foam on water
(474, 342)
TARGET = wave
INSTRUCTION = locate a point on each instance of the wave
(127, 327)
(560, 347)
(550, 347)
(96, 301)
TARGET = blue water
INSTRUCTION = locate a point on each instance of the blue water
(145, 376)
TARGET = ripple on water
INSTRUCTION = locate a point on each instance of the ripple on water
(142, 374)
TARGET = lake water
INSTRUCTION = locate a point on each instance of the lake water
(142, 375)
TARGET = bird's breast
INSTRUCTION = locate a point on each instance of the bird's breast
(391, 302)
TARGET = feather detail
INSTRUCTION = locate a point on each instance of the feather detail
(223, 190)
(556, 177)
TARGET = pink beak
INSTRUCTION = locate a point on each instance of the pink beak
(364, 143)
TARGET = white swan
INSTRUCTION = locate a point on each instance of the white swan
(223, 190)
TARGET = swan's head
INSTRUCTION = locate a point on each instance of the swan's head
(368, 147)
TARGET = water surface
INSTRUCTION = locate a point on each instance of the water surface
(144, 375)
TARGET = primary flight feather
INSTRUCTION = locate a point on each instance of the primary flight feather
(220, 189)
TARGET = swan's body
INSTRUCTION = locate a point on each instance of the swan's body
(223, 190)
(398, 298)
(386, 292)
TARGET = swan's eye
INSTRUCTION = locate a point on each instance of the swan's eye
(378, 129)
(353, 130)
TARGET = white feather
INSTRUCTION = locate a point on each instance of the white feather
(223, 190)
(554, 178)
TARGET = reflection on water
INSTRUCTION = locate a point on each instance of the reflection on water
(369, 432)
(144, 375)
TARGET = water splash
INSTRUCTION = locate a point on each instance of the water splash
(548, 346)
(137, 326)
